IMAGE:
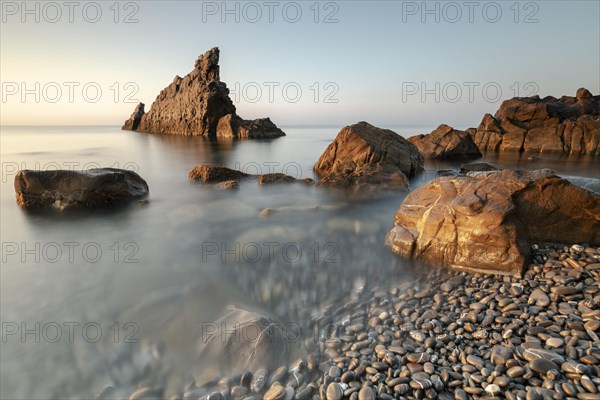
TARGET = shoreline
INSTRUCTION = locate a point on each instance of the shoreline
(461, 336)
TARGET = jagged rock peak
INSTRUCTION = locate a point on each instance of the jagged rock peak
(199, 105)
(208, 65)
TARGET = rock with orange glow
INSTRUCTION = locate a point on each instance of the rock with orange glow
(367, 159)
(486, 221)
(569, 125)
(199, 105)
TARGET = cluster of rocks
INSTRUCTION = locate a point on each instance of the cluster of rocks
(199, 105)
(569, 125)
(363, 159)
(447, 335)
(227, 178)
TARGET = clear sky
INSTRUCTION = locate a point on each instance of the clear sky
(387, 62)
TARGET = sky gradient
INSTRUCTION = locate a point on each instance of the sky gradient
(353, 60)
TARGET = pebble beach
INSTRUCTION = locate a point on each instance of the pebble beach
(452, 335)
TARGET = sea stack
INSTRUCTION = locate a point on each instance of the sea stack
(199, 105)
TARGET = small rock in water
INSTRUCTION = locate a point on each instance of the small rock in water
(147, 393)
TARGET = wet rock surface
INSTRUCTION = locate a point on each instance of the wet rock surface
(199, 105)
(569, 125)
(446, 143)
(242, 341)
(447, 335)
(66, 188)
(228, 178)
(267, 179)
(363, 157)
(207, 173)
(487, 220)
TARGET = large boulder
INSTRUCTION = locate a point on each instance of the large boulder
(569, 125)
(242, 341)
(90, 188)
(446, 143)
(486, 221)
(199, 105)
(364, 155)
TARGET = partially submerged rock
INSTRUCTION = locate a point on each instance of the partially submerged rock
(228, 185)
(569, 125)
(477, 167)
(207, 173)
(66, 188)
(280, 178)
(486, 221)
(199, 105)
(233, 126)
(241, 341)
(364, 156)
(446, 143)
(228, 178)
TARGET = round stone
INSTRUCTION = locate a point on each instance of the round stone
(501, 354)
(542, 366)
(475, 361)
(366, 393)
(555, 342)
(460, 394)
(515, 372)
(539, 298)
(276, 392)
(492, 389)
(334, 391)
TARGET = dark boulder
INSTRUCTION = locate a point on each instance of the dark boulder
(90, 188)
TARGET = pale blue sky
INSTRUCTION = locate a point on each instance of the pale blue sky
(374, 53)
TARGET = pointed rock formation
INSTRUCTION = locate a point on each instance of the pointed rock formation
(569, 125)
(199, 105)
(134, 121)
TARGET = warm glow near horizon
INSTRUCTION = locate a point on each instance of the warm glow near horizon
(296, 68)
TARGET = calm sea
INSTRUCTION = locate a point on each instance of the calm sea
(95, 298)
